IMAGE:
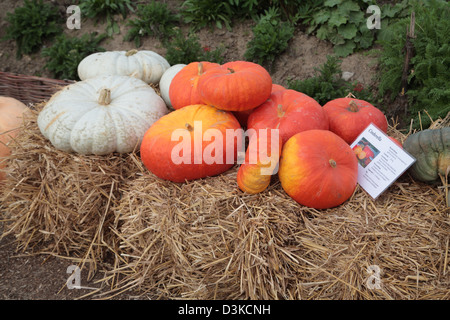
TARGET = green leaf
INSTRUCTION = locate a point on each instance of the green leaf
(348, 31)
(335, 38)
(356, 17)
(323, 32)
(116, 28)
(365, 39)
(348, 6)
(332, 3)
(343, 50)
(337, 19)
(321, 16)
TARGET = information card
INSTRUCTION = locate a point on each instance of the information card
(380, 160)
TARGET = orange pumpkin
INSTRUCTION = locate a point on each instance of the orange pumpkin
(291, 112)
(11, 111)
(349, 117)
(242, 116)
(261, 161)
(235, 86)
(318, 169)
(183, 88)
(277, 87)
(190, 143)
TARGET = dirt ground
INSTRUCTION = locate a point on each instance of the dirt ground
(42, 277)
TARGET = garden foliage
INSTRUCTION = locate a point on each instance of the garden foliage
(67, 52)
(429, 78)
(101, 9)
(271, 37)
(327, 84)
(31, 24)
(153, 19)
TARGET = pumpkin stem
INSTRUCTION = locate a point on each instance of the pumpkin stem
(189, 127)
(200, 68)
(280, 111)
(231, 70)
(353, 107)
(105, 97)
(131, 52)
(333, 163)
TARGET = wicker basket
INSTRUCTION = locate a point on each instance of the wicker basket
(29, 89)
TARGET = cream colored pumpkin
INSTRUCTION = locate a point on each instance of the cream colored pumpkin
(145, 65)
(101, 115)
(166, 80)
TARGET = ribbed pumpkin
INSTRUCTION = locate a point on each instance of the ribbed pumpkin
(190, 143)
(11, 112)
(166, 81)
(183, 90)
(431, 148)
(349, 117)
(289, 111)
(242, 116)
(318, 169)
(101, 115)
(146, 65)
(235, 86)
(261, 161)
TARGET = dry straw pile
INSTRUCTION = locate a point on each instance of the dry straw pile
(207, 240)
(60, 203)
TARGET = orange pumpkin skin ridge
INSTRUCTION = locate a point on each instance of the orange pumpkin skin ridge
(235, 86)
(307, 174)
(183, 90)
(290, 111)
(242, 116)
(157, 145)
(349, 124)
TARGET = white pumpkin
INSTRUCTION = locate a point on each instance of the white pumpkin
(145, 65)
(101, 115)
(166, 80)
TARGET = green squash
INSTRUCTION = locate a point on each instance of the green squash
(431, 148)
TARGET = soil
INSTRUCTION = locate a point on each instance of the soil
(24, 276)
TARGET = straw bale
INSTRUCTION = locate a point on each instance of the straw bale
(207, 240)
(61, 203)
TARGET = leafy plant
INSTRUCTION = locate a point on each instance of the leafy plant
(429, 78)
(181, 49)
(271, 36)
(153, 19)
(344, 22)
(31, 24)
(66, 53)
(327, 84)
(202, 13)
(101, 9)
